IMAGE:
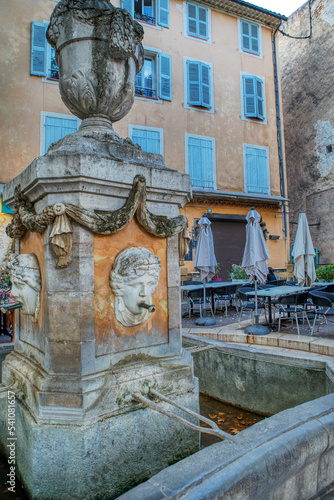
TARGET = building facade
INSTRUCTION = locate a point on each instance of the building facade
(307, 90)
(206, 100)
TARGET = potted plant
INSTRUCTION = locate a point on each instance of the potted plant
(325, 273)
(217, 269)
(237, 273)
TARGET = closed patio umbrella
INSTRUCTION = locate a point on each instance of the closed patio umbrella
(303, 253)
(254, 262)
(256, 252)
(205, 261)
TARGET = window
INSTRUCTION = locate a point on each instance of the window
(155, 78)
(55, 126)
(256, 169)
(201, 160)
(148, 11)
(198, 88)
(197, 21)
(253, 101)
(150, 139)
(250, 37)
(43, 58)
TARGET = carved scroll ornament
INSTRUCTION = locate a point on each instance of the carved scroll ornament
(106, 223)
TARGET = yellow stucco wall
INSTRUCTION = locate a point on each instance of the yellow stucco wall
(25, 96)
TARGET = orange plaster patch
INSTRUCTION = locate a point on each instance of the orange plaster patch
(110, 335)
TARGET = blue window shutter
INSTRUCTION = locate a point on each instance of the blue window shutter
(165, 77)
(245, 38)
(256, 164)
(262, 177)
(5, 209)
(249, 96)
(202, 22)
(250, 34)
(259, 98)
(200, 162)
(153, 142)
(38, 49)
(163, 13)
(254, 38)
(129, 6)
(148, 140)
(194, 92)
(206, 158)
(57, 128)
(194, 159)
(192, 19)
(206, 101)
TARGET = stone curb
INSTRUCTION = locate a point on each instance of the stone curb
(235, 334)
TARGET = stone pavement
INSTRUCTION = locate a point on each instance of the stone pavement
(230, 330)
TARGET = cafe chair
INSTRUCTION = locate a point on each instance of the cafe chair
(248, 303)
(224, 297)
(294, 307)
(329, 288)
(323, 303)
(196, 297)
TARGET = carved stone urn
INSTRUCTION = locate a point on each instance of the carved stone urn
(98, 50)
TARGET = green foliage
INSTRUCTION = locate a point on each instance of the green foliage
(217, 269)
(325, 273)
(237, 273)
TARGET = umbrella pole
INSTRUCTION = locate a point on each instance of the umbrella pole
(257, 329)
(204, 320)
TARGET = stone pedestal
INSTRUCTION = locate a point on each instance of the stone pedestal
(80, 433)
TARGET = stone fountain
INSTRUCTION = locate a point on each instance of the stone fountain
(97, 243)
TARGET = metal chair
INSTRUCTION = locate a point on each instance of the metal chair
(224, 296)
(329, 288)
(196, 297)
(323, 303)
(293, 306)
(248, 303)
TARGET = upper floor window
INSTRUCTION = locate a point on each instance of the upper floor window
(155, 78)
(250, 37)
(148, 11)
(198, 87)
(201, 160)
(43, 58)
(197, 21)
(150, 139)
(55, 126)
(256, 169)
(253, 101)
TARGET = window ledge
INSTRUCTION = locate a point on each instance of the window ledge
(149, 99)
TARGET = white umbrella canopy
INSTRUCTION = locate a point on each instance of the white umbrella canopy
(205, 259)
(256, 252)
(303, 253)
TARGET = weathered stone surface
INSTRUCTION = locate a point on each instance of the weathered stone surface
(99, 52)
(262, 381)
(307, 94)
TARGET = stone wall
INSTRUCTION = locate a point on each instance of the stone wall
(307, 68)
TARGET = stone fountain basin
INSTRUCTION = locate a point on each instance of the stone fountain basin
(288, 455)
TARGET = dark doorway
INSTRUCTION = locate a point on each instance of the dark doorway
(229, 241)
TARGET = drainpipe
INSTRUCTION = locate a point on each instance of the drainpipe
(279, 138)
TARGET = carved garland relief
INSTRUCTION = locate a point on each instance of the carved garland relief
(135, 271)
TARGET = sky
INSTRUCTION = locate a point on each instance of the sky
(285, 7)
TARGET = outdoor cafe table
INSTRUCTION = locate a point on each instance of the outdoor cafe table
(213, 286)
(275, 292)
